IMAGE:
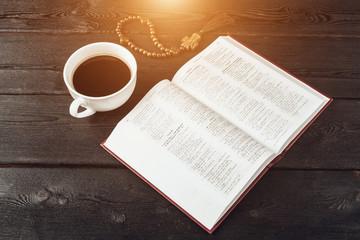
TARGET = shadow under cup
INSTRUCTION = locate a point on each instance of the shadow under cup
(104, 103)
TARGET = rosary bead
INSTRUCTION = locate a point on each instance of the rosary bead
(174, 49)
(124, 40)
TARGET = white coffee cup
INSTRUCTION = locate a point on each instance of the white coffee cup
(105, 103)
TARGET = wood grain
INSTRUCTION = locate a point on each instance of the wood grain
(56, 182)
(33, 63)
(116, 204)
(37, 129)
(277, 17)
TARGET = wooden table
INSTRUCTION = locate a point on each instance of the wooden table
(56, 182)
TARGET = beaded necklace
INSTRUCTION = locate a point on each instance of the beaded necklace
(187, 43)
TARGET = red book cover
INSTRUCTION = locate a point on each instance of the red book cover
(276, 159)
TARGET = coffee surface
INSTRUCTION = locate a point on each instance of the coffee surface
(101, 76)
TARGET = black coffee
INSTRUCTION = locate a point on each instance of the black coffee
(100, 76)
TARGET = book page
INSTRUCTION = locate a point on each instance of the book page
(190, 153)
(263, 100)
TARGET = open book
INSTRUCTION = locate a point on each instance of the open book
(203, 139)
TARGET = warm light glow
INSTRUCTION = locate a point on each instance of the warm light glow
(172, 4)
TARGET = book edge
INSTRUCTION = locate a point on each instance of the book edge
(154, 187)
(305, 128)
(276, 159)
(311, 121)
(330, 98)
(241, 197)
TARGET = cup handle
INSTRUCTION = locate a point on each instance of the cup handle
(74, 108)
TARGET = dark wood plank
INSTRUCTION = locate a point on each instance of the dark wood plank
(32, 64)
(331, 142)
(65, 203)
(37, 129)
(277, 17)
(56, 182)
